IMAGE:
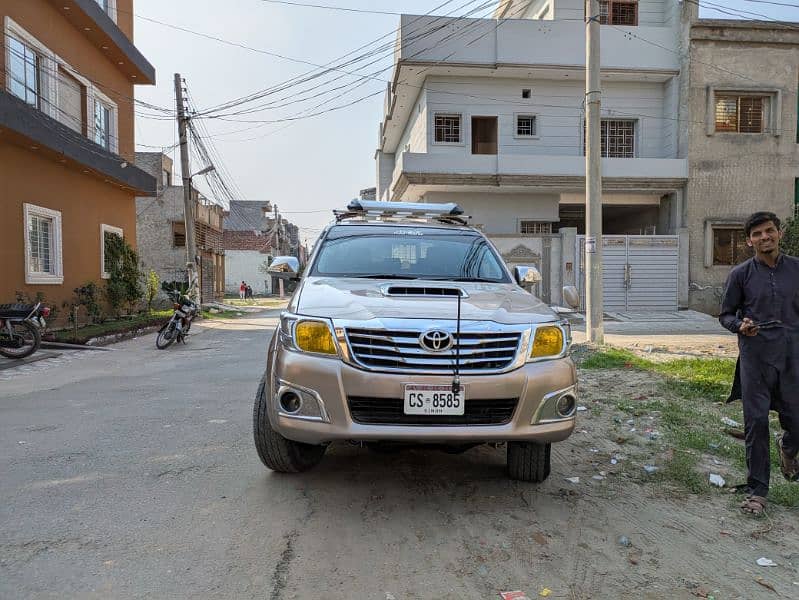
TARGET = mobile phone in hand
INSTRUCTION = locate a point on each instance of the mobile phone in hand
(768, 324)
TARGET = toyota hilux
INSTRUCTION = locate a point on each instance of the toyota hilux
(407, 328)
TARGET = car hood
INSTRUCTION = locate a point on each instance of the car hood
(366, 299)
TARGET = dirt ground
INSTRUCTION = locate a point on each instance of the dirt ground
(682, 545)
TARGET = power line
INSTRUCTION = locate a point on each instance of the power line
(340, 8)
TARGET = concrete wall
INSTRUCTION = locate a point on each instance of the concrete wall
(385, 171)
(414, 137)
(243, 265)
(501, 213)
(85, 203)
(731, 174)
(531, 42)
(557, 105)
(154, 219)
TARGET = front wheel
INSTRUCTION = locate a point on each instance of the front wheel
(166, 335)
(276, 452)
(528, 461)
(25, 336)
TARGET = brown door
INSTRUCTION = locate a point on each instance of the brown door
(484, 135)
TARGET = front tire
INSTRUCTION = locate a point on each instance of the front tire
(32, 339)
(276, 452)
(166, 336)
(528, 461)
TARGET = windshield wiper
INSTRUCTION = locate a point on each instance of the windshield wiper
(386, 276)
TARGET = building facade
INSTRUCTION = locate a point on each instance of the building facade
(161, 230)
(743, 144)
(67, 173)
(489, 113)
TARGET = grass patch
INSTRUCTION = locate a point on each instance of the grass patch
(87, 332)
(222, 314)
(267, 302)
(690, 409)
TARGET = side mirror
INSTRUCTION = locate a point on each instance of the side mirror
(571, 296)
(285, 267)
(526, 276)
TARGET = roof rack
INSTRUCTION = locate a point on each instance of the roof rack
(388, 211)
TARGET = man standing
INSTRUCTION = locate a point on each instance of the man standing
(761, 305)
(242, 290)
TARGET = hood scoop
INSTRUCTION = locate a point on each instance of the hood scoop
(423, 291)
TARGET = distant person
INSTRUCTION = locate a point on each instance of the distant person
(761, 305)
(243, 290)
(248, 292)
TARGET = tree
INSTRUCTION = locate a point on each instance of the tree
(124, 282)
(151, 283)
(790, 242)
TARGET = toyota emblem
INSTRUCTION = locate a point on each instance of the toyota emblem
(436, 340)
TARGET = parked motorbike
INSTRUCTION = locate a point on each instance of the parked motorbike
(20, 328)
(178, 326)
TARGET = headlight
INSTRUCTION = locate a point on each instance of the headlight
(548, 342)
(314, 336)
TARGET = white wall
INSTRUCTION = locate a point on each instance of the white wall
(500, 213)
(413, 137)
(653, 13)
(243, 265)
(385, 171)
(558, 108)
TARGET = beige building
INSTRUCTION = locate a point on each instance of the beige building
(742, 142)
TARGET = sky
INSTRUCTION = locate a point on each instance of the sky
(312, 165)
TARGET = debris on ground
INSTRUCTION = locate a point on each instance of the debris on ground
(513, 596)
(731, 423)
(545, 592)
(650, 469)
(766, 562)
(738, 434)
(581, 409)
(717, 480)
(765, 584)
(573, 480)
(624, 541)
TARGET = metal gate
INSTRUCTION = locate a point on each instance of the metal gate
(639, 273)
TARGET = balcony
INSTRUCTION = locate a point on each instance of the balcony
(529, 42)
(533, 172)
(30, 128)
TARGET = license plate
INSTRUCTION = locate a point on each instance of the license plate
(433, 400)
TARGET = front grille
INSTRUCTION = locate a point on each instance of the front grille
(389, 411)
(401, 350)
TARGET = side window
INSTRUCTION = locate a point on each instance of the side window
(729, 246)
(448, 129)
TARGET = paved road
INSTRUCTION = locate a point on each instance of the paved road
(132, 474)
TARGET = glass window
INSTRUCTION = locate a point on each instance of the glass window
(618, 138)
(103, 4)
(408, 253)
(618, 12)
(40, 238)
(448, 129)
(729, 246)
(102, 125)
(526, 126)
(535, 227)
(740, 114)
(24, 72)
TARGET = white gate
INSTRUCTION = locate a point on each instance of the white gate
(640, 272)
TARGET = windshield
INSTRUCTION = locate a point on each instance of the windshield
(408, 253)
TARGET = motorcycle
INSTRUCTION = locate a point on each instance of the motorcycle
(20, 328)
(178, 326)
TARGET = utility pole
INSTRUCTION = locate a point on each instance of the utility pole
(277, 232)
(594, 327)
(188, 200)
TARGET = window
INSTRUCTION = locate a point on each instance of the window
(526, 126)
(741, 114)
(109, 7)
(447, 129)
(618, 12)
(166, 178)
(535, 227)
(42, 245)
(106, 231)
(526, 93)
(484, 135)
(102, 125)
(71, 101)
(618, 138)
(729, 246)
(24, 72)
(179, 234)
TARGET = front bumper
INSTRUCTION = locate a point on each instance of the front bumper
(331, 382)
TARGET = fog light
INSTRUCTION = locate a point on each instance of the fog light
(566, 405)
(290, 402)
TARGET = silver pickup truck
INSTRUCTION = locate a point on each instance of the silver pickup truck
(408, 328)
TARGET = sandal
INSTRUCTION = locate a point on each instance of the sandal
(789, 466)
(754, 505)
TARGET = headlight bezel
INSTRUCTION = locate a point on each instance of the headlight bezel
(566, 339)
(287, 332)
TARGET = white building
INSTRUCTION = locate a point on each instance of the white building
(489, 113)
